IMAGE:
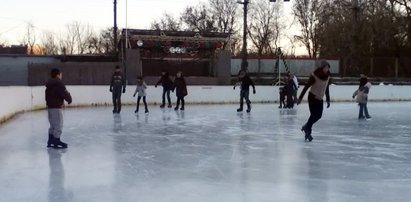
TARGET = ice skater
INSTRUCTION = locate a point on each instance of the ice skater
(245, 81)
(319, 82)
(141, 90)
(296, 87)
(291, 89)
(56, 93)
(362, 97)
(118, 85)
(181, 90)
(167, 84)
(283, 93)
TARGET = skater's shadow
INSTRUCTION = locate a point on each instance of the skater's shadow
(57, 192)
(117, 123)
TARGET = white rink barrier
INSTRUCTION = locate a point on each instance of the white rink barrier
(19, 99)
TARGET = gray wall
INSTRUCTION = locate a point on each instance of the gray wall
(299, 67)
(74, 73)
(13, 69)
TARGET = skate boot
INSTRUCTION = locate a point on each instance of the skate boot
(176, 108)
(182, 108)
(169, 106)
(146, 111)
(239, 109)
(307, 133)
(50, 141)
(58, 144)
(162, 106)
(136, 111)
(308, 137)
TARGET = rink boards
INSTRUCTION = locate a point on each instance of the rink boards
(17, 99)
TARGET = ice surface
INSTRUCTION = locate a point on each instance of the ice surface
(210, 153)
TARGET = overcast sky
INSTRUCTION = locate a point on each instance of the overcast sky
(54, 15)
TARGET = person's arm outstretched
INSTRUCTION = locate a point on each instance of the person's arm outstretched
(310, 82)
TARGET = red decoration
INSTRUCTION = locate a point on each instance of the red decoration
(218, 44)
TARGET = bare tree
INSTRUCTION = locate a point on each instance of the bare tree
(265, 27)
(307, 13)
(107, 43)
(198, 18)
(167, 22)
(225, 12)
(404, 7)
(29, 38)
(77, 35)
(49, 44)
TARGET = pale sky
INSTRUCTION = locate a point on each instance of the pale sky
(54, 15)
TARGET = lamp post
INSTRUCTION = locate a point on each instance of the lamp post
(115, 28)
(244, 55)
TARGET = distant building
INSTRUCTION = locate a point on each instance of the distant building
(13, 49)
(203, 56)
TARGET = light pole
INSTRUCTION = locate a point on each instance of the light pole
(115, 28)
(244, 63)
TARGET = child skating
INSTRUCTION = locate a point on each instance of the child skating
(141, 91)
(319, 82)
(181, 90)
(362, 97)
(167, 84)
(245, 82)
(56, 93)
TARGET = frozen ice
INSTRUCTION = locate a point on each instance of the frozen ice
(210, 153)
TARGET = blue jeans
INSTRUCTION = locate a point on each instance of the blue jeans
(166, 92)
(244, 94)
(363, 110)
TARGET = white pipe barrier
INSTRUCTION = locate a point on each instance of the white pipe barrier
(19, 99)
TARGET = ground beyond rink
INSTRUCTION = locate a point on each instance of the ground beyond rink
(210, 153)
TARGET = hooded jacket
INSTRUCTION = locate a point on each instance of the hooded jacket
(362, 93)
(56, 93)
(118, 82)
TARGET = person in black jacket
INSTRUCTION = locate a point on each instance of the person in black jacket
(118, 85)
(181, 89)
(167, 87)
(245, 81)
(319, 82)
(56, 93)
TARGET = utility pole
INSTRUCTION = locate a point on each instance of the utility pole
(244, 63)
(354, 40)
(115, 29)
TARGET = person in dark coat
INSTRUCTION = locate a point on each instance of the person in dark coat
(56, 93)
(318, 83)
(245, 81)
(167, 84)
(290, 89)
(283, 93)
(117, 86)
(181, 90)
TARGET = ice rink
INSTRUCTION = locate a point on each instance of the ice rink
(210, 153)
